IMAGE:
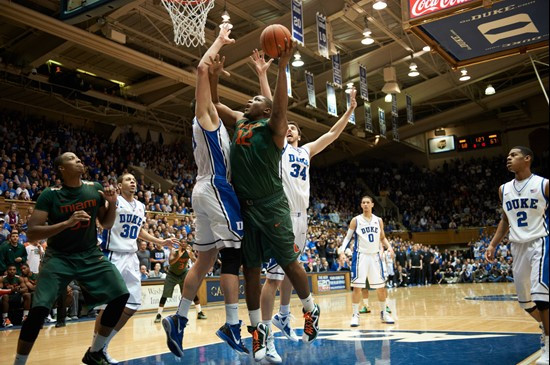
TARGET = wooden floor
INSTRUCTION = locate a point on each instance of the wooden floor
(435, 308)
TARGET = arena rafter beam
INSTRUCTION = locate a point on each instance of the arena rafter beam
(127, 55)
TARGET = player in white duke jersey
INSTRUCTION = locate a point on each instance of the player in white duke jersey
(367, 230)
(295, 163)
(120, 246)
(525, 218)
(219, 226)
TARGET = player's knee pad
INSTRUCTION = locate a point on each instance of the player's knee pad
(530, 310)
(541, 306)
(231, 260)
(162, 301)
(35, 320)
(113, 311)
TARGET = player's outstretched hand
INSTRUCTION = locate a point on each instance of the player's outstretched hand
(352, 101)
(286, 53)
(225, 31)
(260, 64)
(215, 67)
(171, 242)
(110, 194)
(77, 217)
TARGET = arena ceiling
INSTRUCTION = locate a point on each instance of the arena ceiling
(159, 77)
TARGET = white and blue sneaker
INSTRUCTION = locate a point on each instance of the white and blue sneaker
(173, 326)
(282, 322)
(231, 333)
(271, 355)
(386, 317)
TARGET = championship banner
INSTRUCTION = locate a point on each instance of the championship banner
(336, 70)
(363, 87)
(382, 122)
(394, 117)
(348, 102)
(368, 118)
(310, 89)
(297, 21)
(331, 100)
(288, 82)
(322, 39)
(410, 116)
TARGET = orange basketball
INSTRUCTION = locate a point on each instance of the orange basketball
(272, 37)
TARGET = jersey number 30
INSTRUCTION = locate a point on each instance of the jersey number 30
(298, 172)
(129, 231)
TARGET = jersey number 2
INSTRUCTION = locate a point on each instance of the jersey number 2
(522, 217)
(297, 173)
(128, 231)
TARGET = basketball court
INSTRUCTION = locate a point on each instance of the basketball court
(451, 324)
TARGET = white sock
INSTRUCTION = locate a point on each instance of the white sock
(110, 337)
(308, 303)
(54, 311)
(160, 309)
(355, 308)
(198, 306)
(285, 309)
(366, 301)
(255, 317)
(99, 342)
(4, 315)
(383, 306)
(183, 309)
(268, 325)
(232, 313)
(25, 312)
(20, 359)
(93, 338)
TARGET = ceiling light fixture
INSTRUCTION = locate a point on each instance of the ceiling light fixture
(388, 98)
(413, 72)
(464, 75)
(379, 5)
(426, 48)
(297, 60)
(225, 20)
(367, 39)
(349, 87)
(490, 90)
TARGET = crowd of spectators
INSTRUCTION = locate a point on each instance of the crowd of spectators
(29, 146)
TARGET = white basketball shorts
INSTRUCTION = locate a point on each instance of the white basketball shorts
(530, 268)
(218, 216)
(299, 226)
(127, 264)
(367, 266)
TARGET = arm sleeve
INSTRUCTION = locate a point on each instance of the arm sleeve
(346, 242)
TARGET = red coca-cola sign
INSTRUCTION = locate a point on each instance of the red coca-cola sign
(418, 8)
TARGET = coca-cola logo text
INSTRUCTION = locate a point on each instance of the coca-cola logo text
(423, 7)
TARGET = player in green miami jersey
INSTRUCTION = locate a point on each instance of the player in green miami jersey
(259, 138)
(66, 216)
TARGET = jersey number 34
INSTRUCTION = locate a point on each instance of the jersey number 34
(298, 171)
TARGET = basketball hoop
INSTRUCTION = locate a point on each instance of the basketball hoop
(189, 19)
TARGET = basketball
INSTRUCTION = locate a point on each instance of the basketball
(272, 37)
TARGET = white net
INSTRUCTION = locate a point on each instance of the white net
(189, 18)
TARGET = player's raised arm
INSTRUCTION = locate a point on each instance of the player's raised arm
(261, 67)
(278, 121)
(228, 116)
(204, 109)
(326, 139)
